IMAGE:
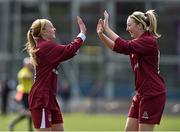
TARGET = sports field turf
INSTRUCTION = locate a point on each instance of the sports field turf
(95, 122)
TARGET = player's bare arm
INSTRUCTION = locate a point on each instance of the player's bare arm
(111, 34)
(106, 41)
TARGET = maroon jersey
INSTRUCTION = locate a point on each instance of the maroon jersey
(44, 89)
(144, 56)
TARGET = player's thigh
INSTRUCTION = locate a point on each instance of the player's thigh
(146, 127)
(131, 124)
(57, 121)
(151, 109)
(58, 127)
(132, 120)
(40, 118)
(43, 129)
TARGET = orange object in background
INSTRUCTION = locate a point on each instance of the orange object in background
(19, 96)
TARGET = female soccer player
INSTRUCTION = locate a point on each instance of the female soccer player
(46, 56)
(149, 101)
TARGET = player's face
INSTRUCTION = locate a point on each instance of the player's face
(49, 31)
(132, 28)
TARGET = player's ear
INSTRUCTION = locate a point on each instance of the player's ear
(140, 26)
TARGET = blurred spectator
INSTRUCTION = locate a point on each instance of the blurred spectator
(176, 108)
(5, 89)
(65, 95)
(25, 80)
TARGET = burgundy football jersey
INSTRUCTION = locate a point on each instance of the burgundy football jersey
(49, 55)
(144, 56)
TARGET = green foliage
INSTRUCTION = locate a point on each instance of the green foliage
(94, 122)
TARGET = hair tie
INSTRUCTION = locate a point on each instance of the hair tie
(140, 20)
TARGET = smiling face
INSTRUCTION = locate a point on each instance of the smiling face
(133, 28)
(49, 31)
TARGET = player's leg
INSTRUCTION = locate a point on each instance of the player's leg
(132, 120)
(57, 121)
(131, 124)
(30, 124)
(41, 119)
(15, 121)
(146, 127)
(58, 127)
(43, 129)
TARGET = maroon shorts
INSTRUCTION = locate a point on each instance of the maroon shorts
(44, 118)
(147, 110)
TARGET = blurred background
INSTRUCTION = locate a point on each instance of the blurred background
(97, 80)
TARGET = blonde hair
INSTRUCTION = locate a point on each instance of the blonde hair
(33, 34)
(148, 20)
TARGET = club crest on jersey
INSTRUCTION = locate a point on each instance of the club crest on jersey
(145, 115)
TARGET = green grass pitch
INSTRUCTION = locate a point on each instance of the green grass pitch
(95, 122)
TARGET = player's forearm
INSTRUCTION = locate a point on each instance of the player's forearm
(111, 34)
(106, 41)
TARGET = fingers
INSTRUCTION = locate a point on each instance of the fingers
(106, 15)
(78, 17)
(81, 24)
(100, 26)
(100, 21)
(106, 21)
(79, 20)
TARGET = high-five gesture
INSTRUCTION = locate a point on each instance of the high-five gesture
(81, 24)
(108, 42)
(105, 25)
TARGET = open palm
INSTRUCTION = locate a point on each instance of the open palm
(100, 26)
(106, 20)
(81, 24)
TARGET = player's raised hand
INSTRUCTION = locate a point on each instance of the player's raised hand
(99, 28)
(106, 20)
(81, 24)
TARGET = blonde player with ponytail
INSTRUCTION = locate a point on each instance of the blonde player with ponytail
(150, 92)
(46, 55)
